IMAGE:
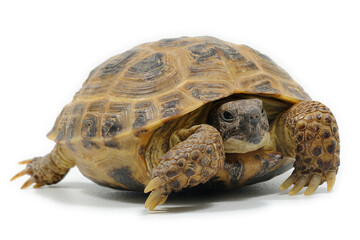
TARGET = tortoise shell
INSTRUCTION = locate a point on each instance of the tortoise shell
(124, 100)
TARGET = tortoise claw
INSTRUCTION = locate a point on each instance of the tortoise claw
(330, 179)
(312, 181)
(153, 184)
(20, 174)
(39, 185)
(26, 161)
(28, 171)
(299, 184)
(164, 198)
(313, 185)
(288, 182)
(155, 198)
(30, 181)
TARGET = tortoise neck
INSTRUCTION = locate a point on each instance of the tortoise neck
(281, 137)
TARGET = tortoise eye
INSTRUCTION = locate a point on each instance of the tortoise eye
(227, 116)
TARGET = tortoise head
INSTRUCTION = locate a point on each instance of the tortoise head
(243, 125)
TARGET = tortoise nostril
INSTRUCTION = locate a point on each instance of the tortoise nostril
(254, 119)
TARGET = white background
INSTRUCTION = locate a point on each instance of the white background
(47, 50)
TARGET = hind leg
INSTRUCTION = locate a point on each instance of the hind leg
(196, 159)
(46, 170)
(248, 168)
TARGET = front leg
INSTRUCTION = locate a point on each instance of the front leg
(195, 159)
(309, 130)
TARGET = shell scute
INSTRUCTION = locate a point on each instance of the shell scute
(111, 126)
(97, 106)
(70, 128)
(170, 105)
(176, 103)
(89, 126)
(144, 112)
(149, 68)
(260, 84)
(152, 75)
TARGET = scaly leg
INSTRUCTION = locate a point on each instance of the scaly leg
(194, 160)
(46, 170)
(258, 166)
(310, 131)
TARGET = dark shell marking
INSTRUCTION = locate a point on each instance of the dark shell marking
(124, 176)
(70, 127)
(202, 52)
(111, 126)
(173, 42)
(112, 144)
(262, 84)
(118, 64)
(207, 91)
(60, 133)
(169, 108)
(144, 112)
(88, 126)
(149, 68)
(88, 144)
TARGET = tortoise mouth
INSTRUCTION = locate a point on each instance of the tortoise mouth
(234, 145)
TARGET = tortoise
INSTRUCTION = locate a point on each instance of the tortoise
(190, 112)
